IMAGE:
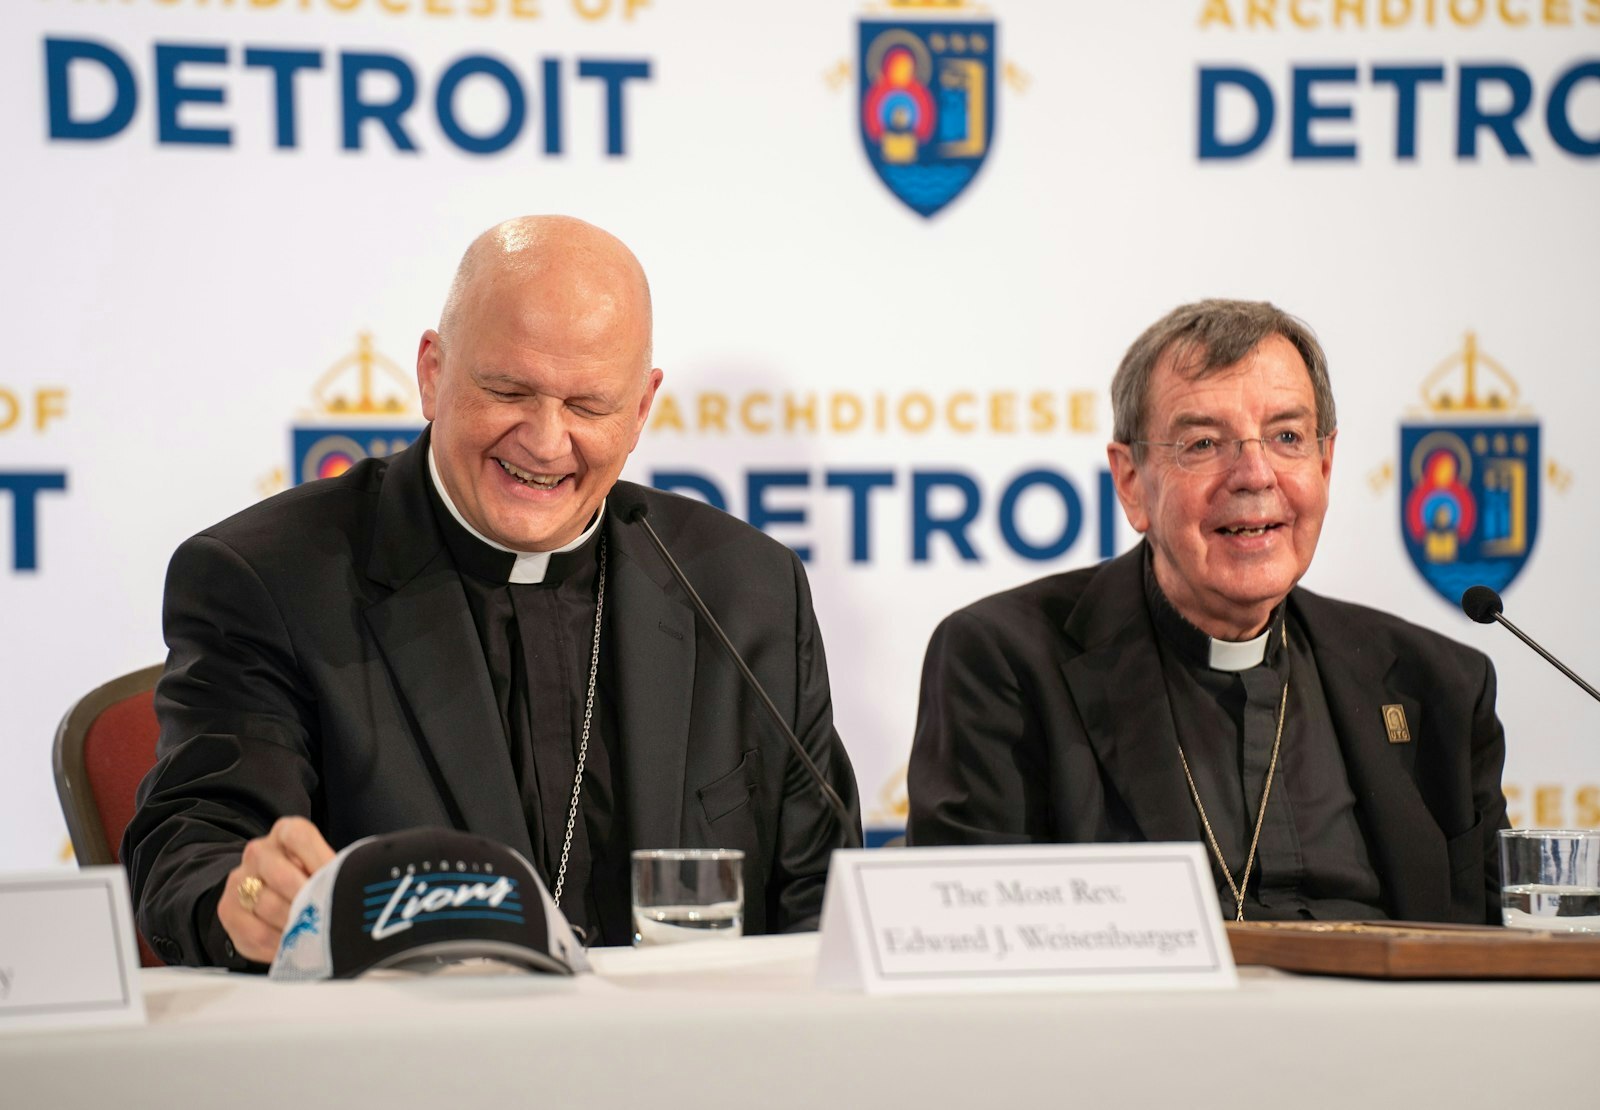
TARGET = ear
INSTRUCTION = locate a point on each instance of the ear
(651, 384)
(1130, 490)
(1327, 456)
(429, 367)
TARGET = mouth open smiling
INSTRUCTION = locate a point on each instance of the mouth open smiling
(1248, 530)
(537, 481)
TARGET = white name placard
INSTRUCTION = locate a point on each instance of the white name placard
(67, 953)
(1033, 917)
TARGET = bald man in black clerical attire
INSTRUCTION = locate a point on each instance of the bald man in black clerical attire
(464, 635)
(1336, 761)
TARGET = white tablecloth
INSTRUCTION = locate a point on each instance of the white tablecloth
(740, 1024)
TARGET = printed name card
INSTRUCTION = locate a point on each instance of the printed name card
(1033, 917)
(67, 955)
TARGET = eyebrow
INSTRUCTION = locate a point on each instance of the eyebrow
(495, 378)
(597, 400)
(1186, 420)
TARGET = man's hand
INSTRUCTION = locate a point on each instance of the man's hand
(282, 861)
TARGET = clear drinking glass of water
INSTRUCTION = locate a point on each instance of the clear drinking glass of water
(687, 894)
(1550, 879)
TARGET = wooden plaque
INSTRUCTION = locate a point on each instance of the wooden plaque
(1415, 950)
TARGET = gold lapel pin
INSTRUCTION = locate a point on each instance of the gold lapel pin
(1394, 720)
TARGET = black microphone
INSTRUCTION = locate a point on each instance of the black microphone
(1484, 606)
(634, 511)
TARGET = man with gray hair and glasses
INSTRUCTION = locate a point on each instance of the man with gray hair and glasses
(1336, 761)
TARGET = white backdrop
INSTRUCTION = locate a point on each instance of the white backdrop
(174, 305)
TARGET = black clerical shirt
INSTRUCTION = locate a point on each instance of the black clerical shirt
(1312, 860)
(537, 639)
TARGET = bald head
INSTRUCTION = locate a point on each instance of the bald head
(537, 383)
(558, 267)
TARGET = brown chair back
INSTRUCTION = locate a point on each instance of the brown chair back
(104, 746)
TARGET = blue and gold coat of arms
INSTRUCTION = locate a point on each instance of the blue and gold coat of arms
(927, 105)
(1469, 484)
(365, 411)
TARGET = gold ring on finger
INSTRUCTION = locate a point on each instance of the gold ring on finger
(250, 888)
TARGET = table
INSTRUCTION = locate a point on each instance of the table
(741, 1024)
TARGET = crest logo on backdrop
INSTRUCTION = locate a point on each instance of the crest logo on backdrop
(1469, 484)
(926, 102)
(364, 410)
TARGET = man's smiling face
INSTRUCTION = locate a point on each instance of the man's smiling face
(1228, 547)
(538, 394)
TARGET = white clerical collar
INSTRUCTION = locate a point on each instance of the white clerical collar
(1239, 655)
(530, 566)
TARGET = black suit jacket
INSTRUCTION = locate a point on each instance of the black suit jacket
(323, 662)
(1044, 717)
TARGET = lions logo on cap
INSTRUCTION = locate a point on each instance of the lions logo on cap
(306, 925)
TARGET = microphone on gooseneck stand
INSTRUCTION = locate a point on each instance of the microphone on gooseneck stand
(1484, 606)
(637, 512)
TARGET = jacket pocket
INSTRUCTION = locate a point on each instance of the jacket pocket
(733, 790)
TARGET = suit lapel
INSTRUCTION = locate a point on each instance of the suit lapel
(426, 634)
(1403, 839)
(654, 637)
(1121, 695)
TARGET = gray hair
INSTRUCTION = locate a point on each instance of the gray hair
(1204, 338)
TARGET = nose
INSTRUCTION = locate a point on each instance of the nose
(1252, 468)
(544, 433)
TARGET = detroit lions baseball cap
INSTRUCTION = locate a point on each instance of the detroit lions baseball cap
(419, 898)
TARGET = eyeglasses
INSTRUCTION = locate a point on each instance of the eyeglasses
(1213, 455)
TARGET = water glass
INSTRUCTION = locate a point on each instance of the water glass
(1550, 879)
(687, 894)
